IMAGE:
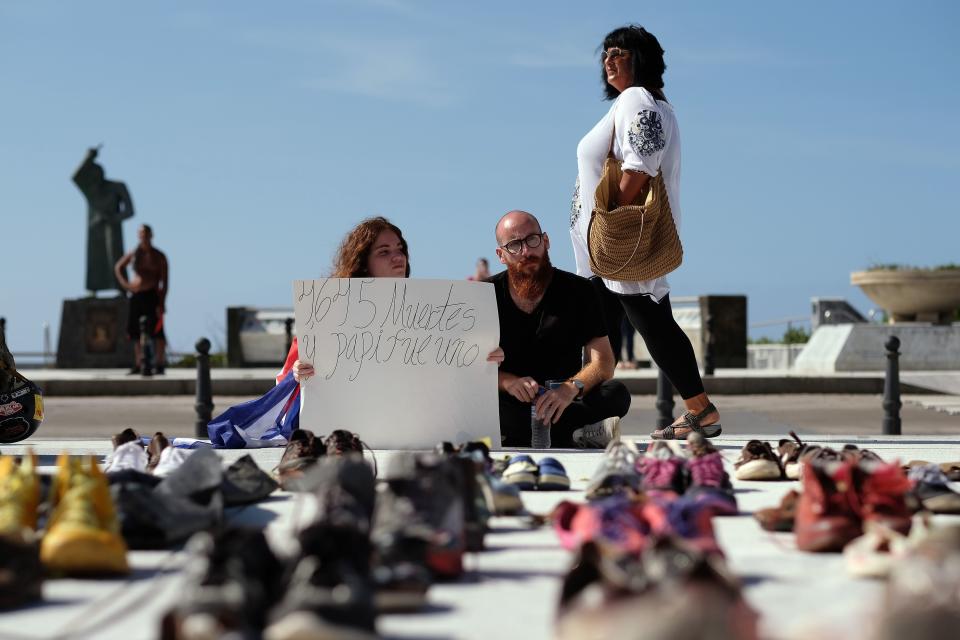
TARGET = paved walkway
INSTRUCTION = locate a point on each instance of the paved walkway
(511, 589)
(772, 415)
(229, 381)
(936, 390)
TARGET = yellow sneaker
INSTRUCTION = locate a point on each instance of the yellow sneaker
(19, 498)
(21, 575)
(83, 535)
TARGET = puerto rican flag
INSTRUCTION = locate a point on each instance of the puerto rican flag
(267, 421)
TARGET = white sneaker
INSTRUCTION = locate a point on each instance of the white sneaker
(129, 455)
(170, 459)
(617, 472)
(599, 434)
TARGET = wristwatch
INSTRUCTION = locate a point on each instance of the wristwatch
(579, 386)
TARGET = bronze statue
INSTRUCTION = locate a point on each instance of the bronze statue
(108, 205)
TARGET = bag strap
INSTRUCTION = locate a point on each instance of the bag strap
(613, 133)
(636, 247)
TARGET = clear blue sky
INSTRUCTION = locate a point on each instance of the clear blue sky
(818, 138)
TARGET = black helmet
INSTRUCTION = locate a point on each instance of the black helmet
(21, 410)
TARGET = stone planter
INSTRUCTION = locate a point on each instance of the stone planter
(912, 294)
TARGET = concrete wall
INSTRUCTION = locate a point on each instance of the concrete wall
(860, 347)
(772, 356)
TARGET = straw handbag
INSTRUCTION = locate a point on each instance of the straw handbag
(634, 242)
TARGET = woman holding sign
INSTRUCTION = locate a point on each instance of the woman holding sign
(375, 248)
(640, 134)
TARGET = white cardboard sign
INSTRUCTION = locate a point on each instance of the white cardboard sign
(401, 362)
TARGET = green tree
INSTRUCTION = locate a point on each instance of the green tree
(795, 335)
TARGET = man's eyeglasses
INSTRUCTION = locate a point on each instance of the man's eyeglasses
(516, 246)
(613, 52)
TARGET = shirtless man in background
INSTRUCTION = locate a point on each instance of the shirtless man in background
(148, 289)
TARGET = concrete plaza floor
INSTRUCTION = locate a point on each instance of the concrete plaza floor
(511, 589)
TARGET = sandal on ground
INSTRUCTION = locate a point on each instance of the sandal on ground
(690, 424)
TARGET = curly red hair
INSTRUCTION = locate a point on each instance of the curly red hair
(354, 253)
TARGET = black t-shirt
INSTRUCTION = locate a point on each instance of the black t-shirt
(548, 343)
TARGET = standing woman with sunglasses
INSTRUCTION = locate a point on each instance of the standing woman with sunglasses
(641, 132)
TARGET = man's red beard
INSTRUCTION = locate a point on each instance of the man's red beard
(530, 284)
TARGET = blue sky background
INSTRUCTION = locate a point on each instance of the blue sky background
(818, 138)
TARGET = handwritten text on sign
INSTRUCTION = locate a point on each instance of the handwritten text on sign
(395, 337)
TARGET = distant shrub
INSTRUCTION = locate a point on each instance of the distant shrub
(795, 335)
(893, 266)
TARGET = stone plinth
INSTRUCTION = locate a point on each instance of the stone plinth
(859, 347)
(93, 334)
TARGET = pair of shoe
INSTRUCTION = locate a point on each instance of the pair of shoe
(444, 511)
(840, 496)
(758, 462)
(82, 534)
(933, 489)
(617, 472)
(237, 587)
(598, 434)
(501, 498)
(329, 588)
(232, 579)
(631, 524)
(781, 517)
(793, 452)
(158, 513)
(667, 469)
(158, 458)
(524, 473)
(669, 590)
(618, 522)
(305, 448)
(186, 492)
(243, 481)
(402, 540)
(663, 467)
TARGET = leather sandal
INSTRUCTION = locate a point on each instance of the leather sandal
(690, 424)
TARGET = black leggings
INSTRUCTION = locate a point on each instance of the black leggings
(668, 345)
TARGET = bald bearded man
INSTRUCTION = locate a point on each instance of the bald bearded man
(549, 320)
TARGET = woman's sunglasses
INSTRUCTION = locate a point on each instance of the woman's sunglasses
(613, 52)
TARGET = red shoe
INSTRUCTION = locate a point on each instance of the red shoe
(829, 510)
(883, 492)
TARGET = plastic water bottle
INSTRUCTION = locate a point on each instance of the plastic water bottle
(539, 430)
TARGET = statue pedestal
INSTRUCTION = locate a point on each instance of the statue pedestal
(93, 334)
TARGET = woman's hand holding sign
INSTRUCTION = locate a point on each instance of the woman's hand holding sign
(302, 371)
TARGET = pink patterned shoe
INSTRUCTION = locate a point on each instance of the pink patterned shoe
(662, 469)
(706, 464)
(615, 522)
(708, 479)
